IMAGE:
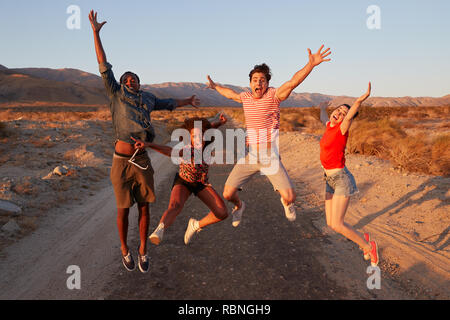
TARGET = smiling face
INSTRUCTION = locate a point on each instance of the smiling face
(258, 84)
(197, 138)
(338, 115)
(131, 82)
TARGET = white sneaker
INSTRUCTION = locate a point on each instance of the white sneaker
(191, 229)
(237, 214)
(289, 211)
(157, 235)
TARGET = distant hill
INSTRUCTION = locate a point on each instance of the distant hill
(77, 86)
(22, 86)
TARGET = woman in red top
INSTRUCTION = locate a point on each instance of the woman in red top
(191, 178)
(340, 183)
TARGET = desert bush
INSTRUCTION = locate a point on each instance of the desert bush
(25, 187)
(387, 139)
(374, 137)
(440, 155)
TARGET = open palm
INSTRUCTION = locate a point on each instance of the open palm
(318, 57)
(94, 23)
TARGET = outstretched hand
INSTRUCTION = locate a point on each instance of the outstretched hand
(210, 84)
(318, 57)
(193, 101)
(94, 23)
(367, 94)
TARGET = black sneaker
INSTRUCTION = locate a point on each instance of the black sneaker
(128, 261)
(143, 262)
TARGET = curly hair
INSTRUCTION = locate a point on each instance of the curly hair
(189, 124)
(263, 68)
(126, 74)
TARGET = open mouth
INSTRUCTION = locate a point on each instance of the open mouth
(335, 118)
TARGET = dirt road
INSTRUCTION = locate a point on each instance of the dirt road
(266, 257)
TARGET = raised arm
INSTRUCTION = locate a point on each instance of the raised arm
(285, 90)
(96, 27)
(192, 101)
(323, 112)
(226, 92)
(347, 122)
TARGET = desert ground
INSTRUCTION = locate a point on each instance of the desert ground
(69, 218)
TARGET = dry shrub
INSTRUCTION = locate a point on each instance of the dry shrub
(387, 140)
(374, 137)
(43, 143)
(25, 188)
(440, 155)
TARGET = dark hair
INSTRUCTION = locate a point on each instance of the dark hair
(189, 124)
(126, 74)
(263, 68)
(348, 107)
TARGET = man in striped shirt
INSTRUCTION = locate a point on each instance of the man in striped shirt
(262, 120)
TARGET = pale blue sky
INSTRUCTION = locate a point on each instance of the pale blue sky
(184, 40)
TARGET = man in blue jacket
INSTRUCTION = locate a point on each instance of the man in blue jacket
(131, 171)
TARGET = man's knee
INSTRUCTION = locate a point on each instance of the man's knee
(229, 193)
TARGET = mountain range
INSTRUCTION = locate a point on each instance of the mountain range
(20, 85)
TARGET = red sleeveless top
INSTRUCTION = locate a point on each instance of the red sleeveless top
(332, 147)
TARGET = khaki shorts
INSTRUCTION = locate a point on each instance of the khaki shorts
(132, 184)
(275, 172)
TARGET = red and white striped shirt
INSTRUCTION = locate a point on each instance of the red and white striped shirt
(262, 116)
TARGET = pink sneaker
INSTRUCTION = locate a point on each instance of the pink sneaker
(366, 253)
(374, 258)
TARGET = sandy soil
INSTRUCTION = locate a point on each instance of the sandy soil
(266, 257)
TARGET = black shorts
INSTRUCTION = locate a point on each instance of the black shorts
(193, 187)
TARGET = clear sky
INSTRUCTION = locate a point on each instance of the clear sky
(184, 40)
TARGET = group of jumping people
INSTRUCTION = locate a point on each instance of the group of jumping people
(132, 173)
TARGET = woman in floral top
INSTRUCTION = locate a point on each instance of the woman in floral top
(192, 177)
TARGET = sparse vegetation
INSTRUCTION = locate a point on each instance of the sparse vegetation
(414, 139)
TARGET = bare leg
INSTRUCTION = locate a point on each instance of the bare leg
(339, 205)
(144, 221)
(215, 203)
(122, 225)
(288, 195)
(231, 194)
(328, 200)
(178, 198)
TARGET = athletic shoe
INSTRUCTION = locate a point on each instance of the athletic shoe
(157, 235)
(191, 229)
(366, 253)
(143, 262)
(237, 214)
(128, 261)
(289, 211)
(374, 254)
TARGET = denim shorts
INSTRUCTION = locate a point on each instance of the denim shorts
(341, 183)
